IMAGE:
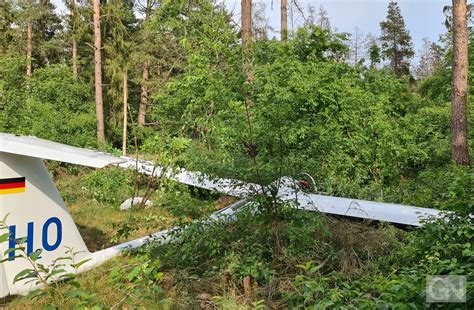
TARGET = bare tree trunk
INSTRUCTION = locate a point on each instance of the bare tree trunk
(284, 21)
(125, 105)
(356, 46)
(246, 34)
(99, 104)
(29, 45)
(459, 146)
(246, 30)
(74, 41)
(144, 95)
(144, 91)
(74, 56)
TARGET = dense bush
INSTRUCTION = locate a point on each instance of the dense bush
(110, 185)
(12, 93)
(244, 247)
(443, 247)
(55, 107)
(357, 131)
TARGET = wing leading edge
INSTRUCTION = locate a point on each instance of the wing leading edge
(40, 148)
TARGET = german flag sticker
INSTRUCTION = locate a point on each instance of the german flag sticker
(12, 185)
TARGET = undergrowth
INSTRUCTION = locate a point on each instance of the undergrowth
(272, 256)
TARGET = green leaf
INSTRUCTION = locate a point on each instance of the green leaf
(35, 255)
(4, 237)
(79, 264)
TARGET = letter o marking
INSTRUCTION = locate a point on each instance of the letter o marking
(59, 229)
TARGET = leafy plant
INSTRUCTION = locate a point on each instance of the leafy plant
(140, 280)
(110, 185)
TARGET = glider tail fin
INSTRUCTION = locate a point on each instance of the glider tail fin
(33, 210)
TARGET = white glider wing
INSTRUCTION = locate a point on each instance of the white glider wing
(39, 148)
(288, 191)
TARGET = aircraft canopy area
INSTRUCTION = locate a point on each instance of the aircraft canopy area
(40, 148)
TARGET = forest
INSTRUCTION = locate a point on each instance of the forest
(186, 83)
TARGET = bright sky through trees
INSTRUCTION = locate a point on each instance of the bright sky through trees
(424, 18)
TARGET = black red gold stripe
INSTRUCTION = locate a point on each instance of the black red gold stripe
(12, 185)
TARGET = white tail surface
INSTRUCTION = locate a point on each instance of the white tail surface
(34, 209)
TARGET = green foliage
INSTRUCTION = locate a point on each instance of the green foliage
(374, 54)
(134, 223)
(139, 281)
(437, 86)
(110, 185)
(61, 108)
(243, 248)
(396, 281)
(56, 107)
(317, 112)
(316, 44)
(361, 132)
(171, 150)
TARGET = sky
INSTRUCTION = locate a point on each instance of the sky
(423, 18)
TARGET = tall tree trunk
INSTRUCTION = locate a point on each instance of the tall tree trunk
(74, 41)
(99, 104)
(246, 30)
(74, 56)
(246, 34)
(125, 105)
(144, 91)
(144, 95)
(459, 146)
(29, 44)
(284, 21)
(356, 45)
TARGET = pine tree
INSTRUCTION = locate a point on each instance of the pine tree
(99, 100)
(147, 48)
(397, 46)
(246, 35)
(319, 19)
(322, 19)
(259, 22)
(310, 19)
(7, 21)
(356, 46)
(73, 21)
(118, 25)
(284, 21)
(31, 28)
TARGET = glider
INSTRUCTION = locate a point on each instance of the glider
(288, 190)
(34, 209)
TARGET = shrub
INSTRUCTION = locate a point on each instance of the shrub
(398, 280)
(109, 185)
